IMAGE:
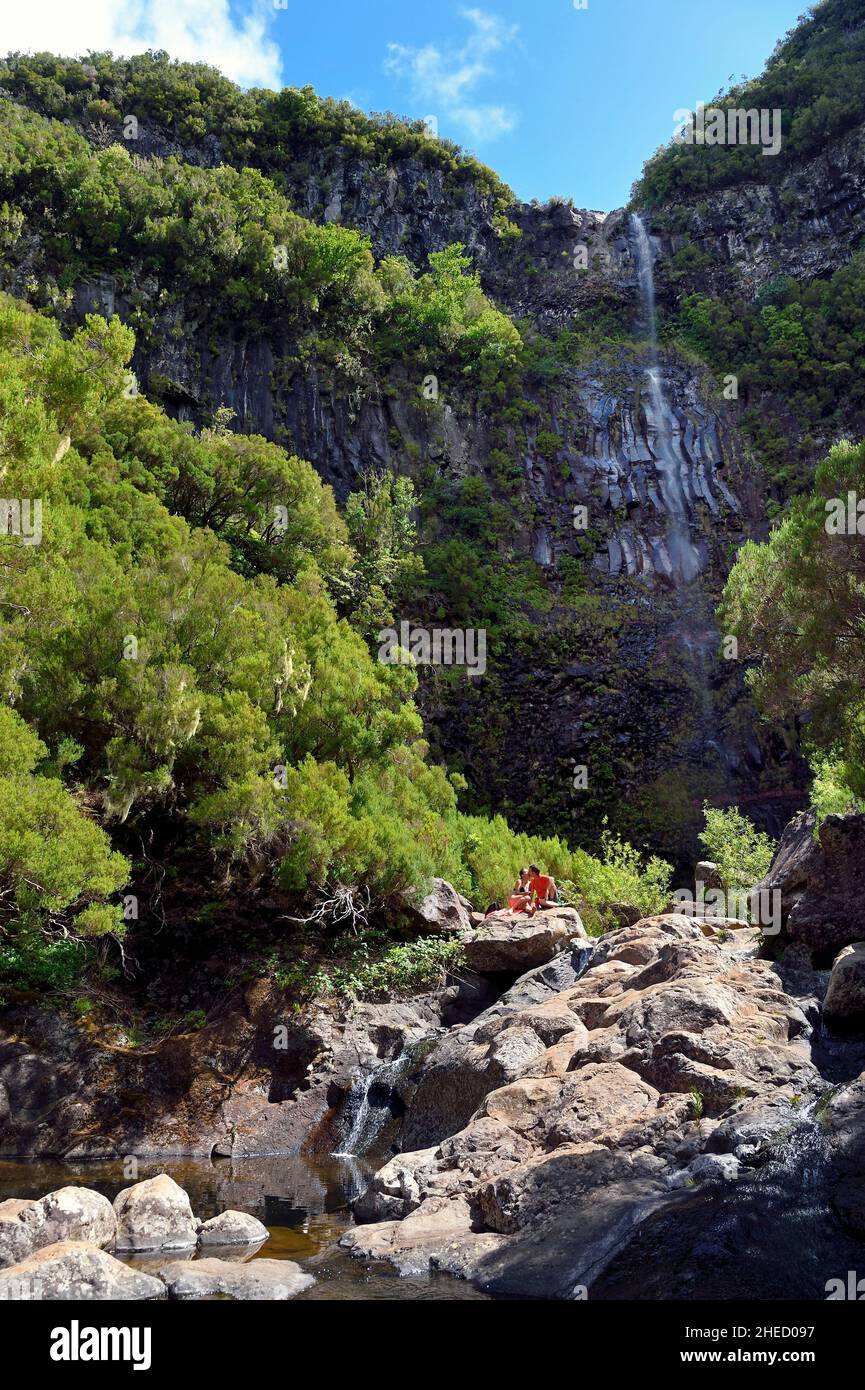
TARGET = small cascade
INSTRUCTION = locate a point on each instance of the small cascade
(685, 559)
(374, 1102)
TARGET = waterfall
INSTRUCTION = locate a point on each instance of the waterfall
(676, 486)
(374, 1101)
(661, 422)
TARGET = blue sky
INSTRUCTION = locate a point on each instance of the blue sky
(558, 100)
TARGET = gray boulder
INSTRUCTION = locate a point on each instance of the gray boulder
(708, 873)
(75, 1271)
(844, 1005)
(155, 1215)
(521, 942)
(259, 1280)
(233, 1228)
(443, 910)
(821, 881)
(70, 1213)
(16, 1239)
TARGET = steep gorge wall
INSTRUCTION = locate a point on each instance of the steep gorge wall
(622, 673)
(622, 676)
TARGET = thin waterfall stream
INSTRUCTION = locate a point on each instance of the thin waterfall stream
(661, 423)
(374, 1102)
(697, 634)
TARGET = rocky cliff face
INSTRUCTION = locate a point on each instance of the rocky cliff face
(634, 637)
(258, 1081)
(629, 637)
(803, 226)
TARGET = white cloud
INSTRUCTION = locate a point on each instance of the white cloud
(203, 31)
(445, 79)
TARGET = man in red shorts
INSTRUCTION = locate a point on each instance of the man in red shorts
(543, 889)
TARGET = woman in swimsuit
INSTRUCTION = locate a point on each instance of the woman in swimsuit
(521, 892)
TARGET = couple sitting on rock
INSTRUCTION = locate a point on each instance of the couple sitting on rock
(532, 890)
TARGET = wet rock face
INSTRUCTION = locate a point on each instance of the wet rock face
(255, 1081)
(588, 1106)
(656, 462)
(845, 1120)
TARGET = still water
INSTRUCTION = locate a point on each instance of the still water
(303, 1202)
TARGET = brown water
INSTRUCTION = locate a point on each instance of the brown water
(303, 1202)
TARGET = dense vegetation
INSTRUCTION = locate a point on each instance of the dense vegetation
(226, 239)
(221, 248)
(797, 604)
(798, 351)
(816, 77)
(171, 656)
(194, 105)
(741, 852)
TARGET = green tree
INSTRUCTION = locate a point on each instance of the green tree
(380, 516)
(797, 603)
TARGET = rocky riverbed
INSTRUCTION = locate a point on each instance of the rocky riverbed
(671, 1110)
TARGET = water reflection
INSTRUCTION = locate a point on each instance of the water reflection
(303, 1202)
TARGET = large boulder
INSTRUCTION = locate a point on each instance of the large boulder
(586, 1105)
(258, 1280)
(70, 1213)
(16, 1239)
(440, 1234)
(518, 943)
(844, 1119)
(844, 1005)
(495, 1049)
(155, 1215)
(443, 910)
(394, 1190)
(75, 1271)
(708, 873)
(821, 881)
(233, 1228)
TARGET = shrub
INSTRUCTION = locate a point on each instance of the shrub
(619, 875)
(742, 852)
(830, 795)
